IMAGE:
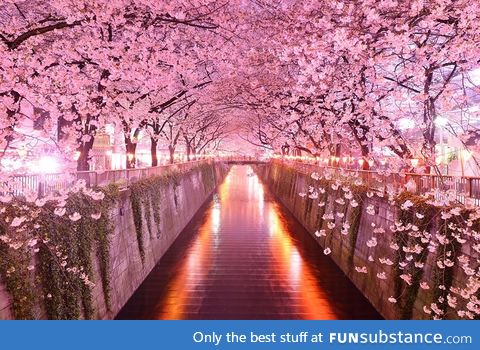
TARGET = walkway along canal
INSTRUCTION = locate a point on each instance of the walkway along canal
(244, 256)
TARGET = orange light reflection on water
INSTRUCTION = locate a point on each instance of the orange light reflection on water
(312, 301)
(287, 261)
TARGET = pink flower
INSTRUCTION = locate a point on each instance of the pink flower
(17, 221)
(75, 216)
(362, 269)
(382, 275)
(59, 211)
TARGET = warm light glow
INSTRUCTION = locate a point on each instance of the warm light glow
(290, 262)
(76, 155)
(361, 161)
(47, 164)
(22, 152)
(465, 154)
(414, 162)
(371, 162)
(10, 164)
(441, 121)
(130, 156)
(406, 123)
(216, 218)
(117, 161)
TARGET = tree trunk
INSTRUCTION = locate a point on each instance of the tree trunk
(84, 149)
(82, 161)
(429, 143)
(334, 151)
(171, 149)
(365, 165)
(189, 151)
(153, 151)
(131, 159)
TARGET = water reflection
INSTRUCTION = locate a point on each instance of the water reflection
(245, 257)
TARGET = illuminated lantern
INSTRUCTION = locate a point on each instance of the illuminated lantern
(361, 162)
(414, 162)
(371, 162)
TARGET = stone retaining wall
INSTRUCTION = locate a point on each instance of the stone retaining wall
(351, 250)
(181, 199)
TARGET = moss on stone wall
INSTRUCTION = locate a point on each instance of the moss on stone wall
(57, 279)
(355, 218)
(17, 279)
(420, 232)
(146, 199)
(403, 239)
(63, 263)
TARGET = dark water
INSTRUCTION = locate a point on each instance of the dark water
(245, 257)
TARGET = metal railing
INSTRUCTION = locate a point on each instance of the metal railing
(242, 159)
(459, 188)
(44, 184)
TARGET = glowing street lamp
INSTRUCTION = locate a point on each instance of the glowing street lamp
(48, 164)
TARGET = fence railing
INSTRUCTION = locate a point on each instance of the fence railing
(459, 188)
(243, 159)
(44, 184)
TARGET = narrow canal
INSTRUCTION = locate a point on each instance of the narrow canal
(245, 257)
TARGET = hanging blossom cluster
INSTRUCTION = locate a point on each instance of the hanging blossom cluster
(433, 244)
(25, 224)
